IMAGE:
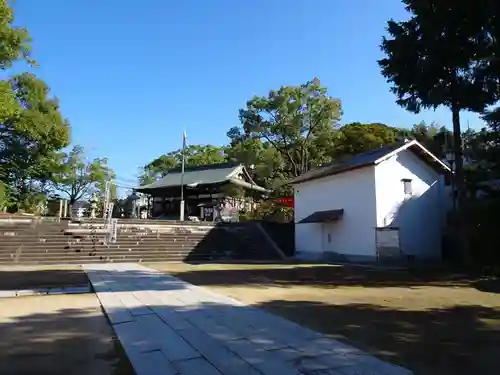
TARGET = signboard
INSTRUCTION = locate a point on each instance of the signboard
(113, 230)
(285, 201)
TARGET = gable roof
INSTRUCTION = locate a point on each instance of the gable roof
(203, 175)
(373, 157)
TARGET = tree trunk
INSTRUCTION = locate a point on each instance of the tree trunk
(460, 186)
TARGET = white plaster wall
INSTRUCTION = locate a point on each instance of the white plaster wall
(420, 217)
(352, 235)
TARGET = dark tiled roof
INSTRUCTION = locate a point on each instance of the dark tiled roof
(201, 175)
(323, 216)
(357, 161)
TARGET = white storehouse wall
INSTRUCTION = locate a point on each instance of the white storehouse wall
(353, 235)
(421, 216)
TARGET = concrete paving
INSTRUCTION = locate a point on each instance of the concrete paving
(170, 327)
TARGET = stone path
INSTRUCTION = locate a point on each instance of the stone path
(170, 327)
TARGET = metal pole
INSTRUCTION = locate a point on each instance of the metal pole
(182, 176)
(453, 192)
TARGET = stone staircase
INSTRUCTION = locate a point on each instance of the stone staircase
(30, 240)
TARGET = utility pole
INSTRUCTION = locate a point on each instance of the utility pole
(460, 186)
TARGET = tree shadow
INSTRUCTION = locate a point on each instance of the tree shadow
(63, 341)
(456, 340)
(488, 285)
(328, 276)
(27, 278)
(448, 341)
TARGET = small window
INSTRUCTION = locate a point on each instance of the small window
(407, 186)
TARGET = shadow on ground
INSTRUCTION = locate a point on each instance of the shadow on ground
(458, 340)
(329, 276)
(455, 341)
(12, 279)
(75, 339)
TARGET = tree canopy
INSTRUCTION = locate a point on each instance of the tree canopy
(32, 129)
(295, 120)
(279, 138)
(31, 137)
(77, 177)
(15, 41)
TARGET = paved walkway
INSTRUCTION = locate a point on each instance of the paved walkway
(170, 327)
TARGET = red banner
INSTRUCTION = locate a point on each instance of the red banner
(285, 201)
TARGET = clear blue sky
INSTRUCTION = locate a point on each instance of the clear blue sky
(131, 74)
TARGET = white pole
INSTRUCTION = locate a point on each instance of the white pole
(182, 176)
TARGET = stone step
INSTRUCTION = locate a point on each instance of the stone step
(66, 242)
(131, 258)
(128, 255)
(208, 249)
(61, 239)
(42, 244)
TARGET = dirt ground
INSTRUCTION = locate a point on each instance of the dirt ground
(30, 277)
(58, 335)
(432, 322)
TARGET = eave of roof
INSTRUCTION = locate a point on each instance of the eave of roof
(202, 176)
(369, 158)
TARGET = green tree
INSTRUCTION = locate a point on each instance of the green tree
(355, 138)
(437, 58)
(437, 139)
(295, 120)
(268, 164)
(15, 41)
(14, 45)
(30, 138)
(491, 138)
(79, 178)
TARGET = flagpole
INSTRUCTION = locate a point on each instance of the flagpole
(182, 176)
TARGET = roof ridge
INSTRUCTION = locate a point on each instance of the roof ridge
(203, 167)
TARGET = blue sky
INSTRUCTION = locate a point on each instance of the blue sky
(131, 74)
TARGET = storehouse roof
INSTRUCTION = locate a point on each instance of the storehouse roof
(373, 157)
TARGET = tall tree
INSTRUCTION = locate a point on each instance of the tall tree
(14, 45)
(15, 41)
(436, 58)
(268, 164)
(294, 120)
(31, 137)
(78, 178)
(437, 139)
(492, 142)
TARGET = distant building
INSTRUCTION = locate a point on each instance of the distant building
(387, 203)
(207, 191)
